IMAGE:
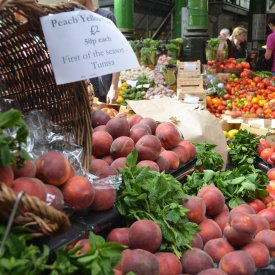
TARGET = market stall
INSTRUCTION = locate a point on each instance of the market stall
(162, 182)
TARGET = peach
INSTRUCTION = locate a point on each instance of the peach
(257, 205)
(259, 252)
(6, 175)
(54, 196)
(217, 248)
(97, 165)
(105, 196)
(209, 230)
(261, 222)
(28, 169)
(267, 237)
(196, 207)
(101, 143)
(84, 245)
(119, 235)
(197, 241)
(168, 135)
(142, 126)
(134, 119)
(117, 272)
(163, 164)
(222, 219)
(99, 128)
(212, 271)
(78, 193)
(168, 263)
(138, 131)
(195, 260)
(31, 186)
(148, 147)
(145, 234)
(117, 127)
(243, 208)
(237, 262)
(122, 147)
(172, 158)
(182, 153)
(99, 118)
(119, 163)
(139, 261)
(240, 230)
(190, 148)
(214, 200)
(150, 122)
(271, 174)
(105, 172)
(269, 214)
(148, 163)
(109, 159)
(53, 168)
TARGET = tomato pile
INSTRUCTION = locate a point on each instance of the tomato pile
(250, 95)
(230, 63)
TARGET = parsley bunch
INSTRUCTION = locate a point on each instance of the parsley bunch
(147, 194)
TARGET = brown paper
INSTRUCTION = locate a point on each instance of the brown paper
(194, 124)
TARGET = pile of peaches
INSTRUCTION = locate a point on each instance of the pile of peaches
(53, 180)
(160, 146)
(230, 242)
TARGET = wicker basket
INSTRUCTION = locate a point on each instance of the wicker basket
(34, 215)
(27, 74)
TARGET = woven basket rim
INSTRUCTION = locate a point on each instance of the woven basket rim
(35, 215)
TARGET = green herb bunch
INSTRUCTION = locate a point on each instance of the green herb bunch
(238, 186)
(147, 194)
(243, 149)
(207, 158)
(19, 257)
(11, 148)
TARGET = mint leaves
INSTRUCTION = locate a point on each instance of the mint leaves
(147, 194)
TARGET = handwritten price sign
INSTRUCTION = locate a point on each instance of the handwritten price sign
(83, 45)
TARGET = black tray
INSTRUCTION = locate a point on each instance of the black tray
(81, 224)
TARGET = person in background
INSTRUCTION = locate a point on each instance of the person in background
(225, 36)
(105, 87)
(225, 33)
(238, 42)
(270, 42)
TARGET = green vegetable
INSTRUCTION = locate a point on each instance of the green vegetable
(207, 158)
(147, 194)
(9, 145)
(263, 74)
(243, 148)
(238, 186)
(20, 258)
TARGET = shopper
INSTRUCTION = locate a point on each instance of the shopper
(270, 42)
(105, 87)
(238, 42)
(225, 36)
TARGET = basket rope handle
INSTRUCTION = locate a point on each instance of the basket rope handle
(11, 219)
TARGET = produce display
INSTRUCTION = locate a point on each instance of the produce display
(207, 221)
(245, 93)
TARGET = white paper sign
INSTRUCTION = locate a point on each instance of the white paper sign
(83, 45)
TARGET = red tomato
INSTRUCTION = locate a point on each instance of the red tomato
(256, 79)
(260, 85)
(266, 81)
(245, 65)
